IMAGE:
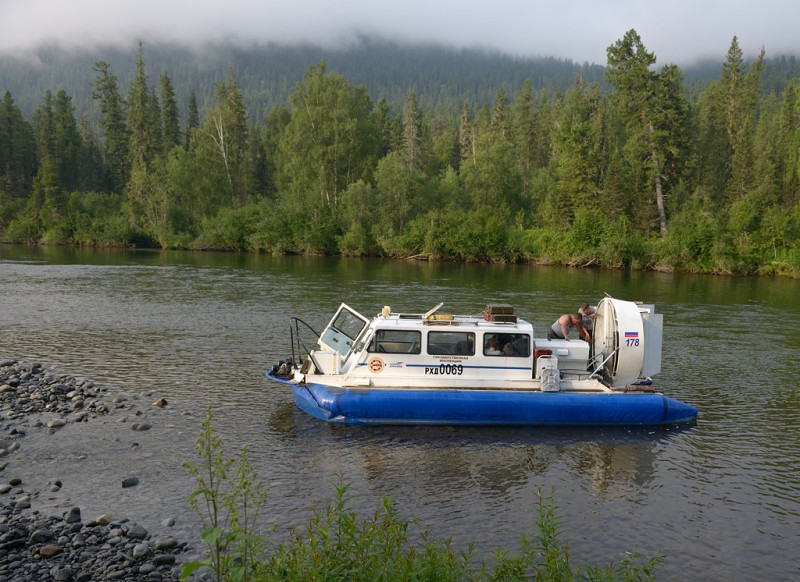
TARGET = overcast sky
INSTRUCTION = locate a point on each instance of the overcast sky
(679, 31)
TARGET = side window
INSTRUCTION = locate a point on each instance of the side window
(514, 345)
(451, 343)
(396, 341)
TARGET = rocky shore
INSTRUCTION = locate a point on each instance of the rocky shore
(69, 547)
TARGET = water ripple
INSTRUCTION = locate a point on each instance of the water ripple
(719, 498)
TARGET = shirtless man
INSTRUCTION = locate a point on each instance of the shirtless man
(560, 329)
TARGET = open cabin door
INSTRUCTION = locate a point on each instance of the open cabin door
(343, 330)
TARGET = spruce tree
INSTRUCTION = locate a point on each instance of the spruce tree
(45, 130)
(170, 123)
(143, 120)
(17, 151)
(500, 121)
(412, 132)
(238, 139)
(524, 135)
(90, 167)
(651, 106)
(192, 119)
(579, 141)
(112, 120)
(68, 143)
(466, 136)
(739, 86)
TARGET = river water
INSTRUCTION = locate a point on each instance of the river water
(719, 499)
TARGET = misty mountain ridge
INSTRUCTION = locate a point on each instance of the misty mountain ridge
(442, 77)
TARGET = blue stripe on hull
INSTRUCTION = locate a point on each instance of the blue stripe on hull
(489, 407)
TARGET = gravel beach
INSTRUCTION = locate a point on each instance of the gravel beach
(38, 543)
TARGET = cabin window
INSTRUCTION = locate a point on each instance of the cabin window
(514, 345)
(396, 341)
(451, 343)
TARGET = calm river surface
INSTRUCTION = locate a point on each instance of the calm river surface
(720, 499)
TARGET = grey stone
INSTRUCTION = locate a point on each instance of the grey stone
(41, 536)
(165, 543)
(130, 482)
(73, 516)
(62, 573)
(137, 532)
(164, 560)
(140, 550)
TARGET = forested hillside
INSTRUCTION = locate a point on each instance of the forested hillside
(427, 153)
(444, 78)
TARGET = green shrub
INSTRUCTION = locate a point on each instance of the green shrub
(229, 229)
(338, 545)
(22, 229)
(99, 219)
(228, 499)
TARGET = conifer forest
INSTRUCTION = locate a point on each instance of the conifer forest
(623, 166)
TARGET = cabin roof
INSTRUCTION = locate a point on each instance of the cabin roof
(457, 323)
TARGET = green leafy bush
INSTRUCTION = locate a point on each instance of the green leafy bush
(228, 499)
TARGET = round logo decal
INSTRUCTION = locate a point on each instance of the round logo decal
(375, 365)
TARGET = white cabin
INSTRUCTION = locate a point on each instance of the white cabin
(494, 350)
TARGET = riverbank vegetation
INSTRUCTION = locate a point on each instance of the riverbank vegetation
(338, 544)
(635, 173)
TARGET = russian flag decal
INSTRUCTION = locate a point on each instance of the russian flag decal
(631, 334)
